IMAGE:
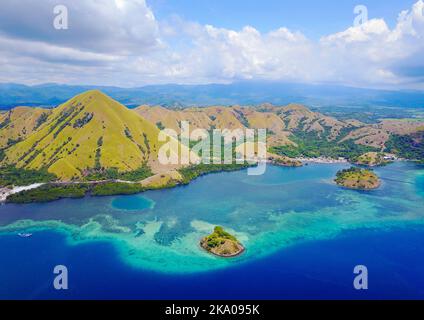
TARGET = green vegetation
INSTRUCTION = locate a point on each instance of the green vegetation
(97, 164)
(284, 161)
(408, 147)
(113, 174)
(310, 145)
(128, 134)
(357, 178)
(160, 125)
(218, 237)
(146, 142)
(116, 188)
(242, 118)
(48, 193)
(64, 121)
(79, 123)
(54, 192)
(371, 159)
(369, 115)
(192, 172)
(11, 176)
(221, 243)
(5, 122)
(11, 142)
(41, 119)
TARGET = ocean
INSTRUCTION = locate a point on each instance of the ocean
(303, 236)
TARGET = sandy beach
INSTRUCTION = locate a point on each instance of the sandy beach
(322, 160)
(5, 192)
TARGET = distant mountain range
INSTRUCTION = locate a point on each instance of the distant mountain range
(240, 93)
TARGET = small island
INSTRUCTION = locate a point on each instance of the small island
(357, 178)
(222, 244)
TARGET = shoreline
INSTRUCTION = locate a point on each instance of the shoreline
(143, 188)
(322, 160)
(243, 249)
(6, 192)
(358, 179)
(360, 189)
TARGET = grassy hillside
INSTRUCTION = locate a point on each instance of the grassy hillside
(88, 134)
(167, 118)
(93, 137)
(295, 130)
(19, 123)
(203, 118)
(281, 122)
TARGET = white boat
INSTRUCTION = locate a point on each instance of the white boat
(25, 235)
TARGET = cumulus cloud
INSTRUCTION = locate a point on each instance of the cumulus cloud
(217, 53)
(120, 42)
(375, 53)
(112, 26)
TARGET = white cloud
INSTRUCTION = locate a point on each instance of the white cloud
(120, 42)
(363, 32)
(377, 54)
(111, 26)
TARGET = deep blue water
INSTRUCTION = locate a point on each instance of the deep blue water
(319, 269)
(303, 235)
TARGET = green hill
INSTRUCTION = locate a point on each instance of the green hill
(88, 134)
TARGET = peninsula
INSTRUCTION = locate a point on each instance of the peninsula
(373, 159)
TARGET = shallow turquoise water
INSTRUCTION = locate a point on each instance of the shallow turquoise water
(160, 230)
(419, 182)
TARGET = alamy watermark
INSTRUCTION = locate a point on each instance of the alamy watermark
(60, 281)
(60, 17)
(361, 280)
(215, 146)
(361, 12)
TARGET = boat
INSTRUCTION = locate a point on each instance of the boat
(25, 235)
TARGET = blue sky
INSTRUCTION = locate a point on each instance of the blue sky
(311, 17)
(132, 43)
